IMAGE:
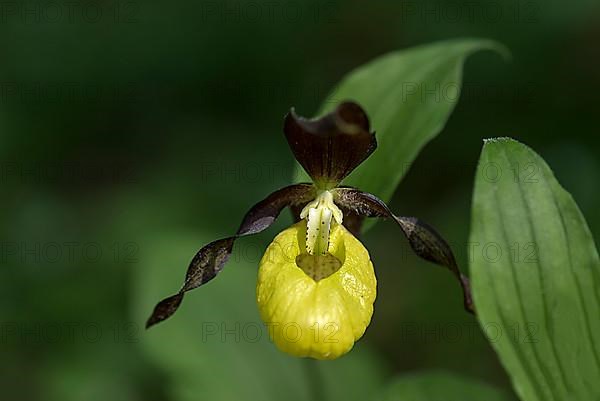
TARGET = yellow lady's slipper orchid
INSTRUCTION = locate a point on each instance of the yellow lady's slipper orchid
(316, 284)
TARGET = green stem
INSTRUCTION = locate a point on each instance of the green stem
(315, 379)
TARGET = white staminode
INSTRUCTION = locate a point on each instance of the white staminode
(319, 214)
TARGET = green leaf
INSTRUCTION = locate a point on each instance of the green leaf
(217, 348)
(439, 386)
(408, 95)
(535, 275)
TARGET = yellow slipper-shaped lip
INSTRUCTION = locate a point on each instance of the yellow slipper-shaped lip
(316, 306)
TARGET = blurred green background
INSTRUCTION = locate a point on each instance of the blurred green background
(131, 133)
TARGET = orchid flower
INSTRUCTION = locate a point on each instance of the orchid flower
(316, 283)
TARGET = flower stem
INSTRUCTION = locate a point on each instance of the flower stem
(315, 380)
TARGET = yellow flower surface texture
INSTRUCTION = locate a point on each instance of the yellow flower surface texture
(316, 306)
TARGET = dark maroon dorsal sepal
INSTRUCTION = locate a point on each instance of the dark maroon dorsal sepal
(330, 147)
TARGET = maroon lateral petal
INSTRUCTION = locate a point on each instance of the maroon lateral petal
(423, 239)
(209, 260)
